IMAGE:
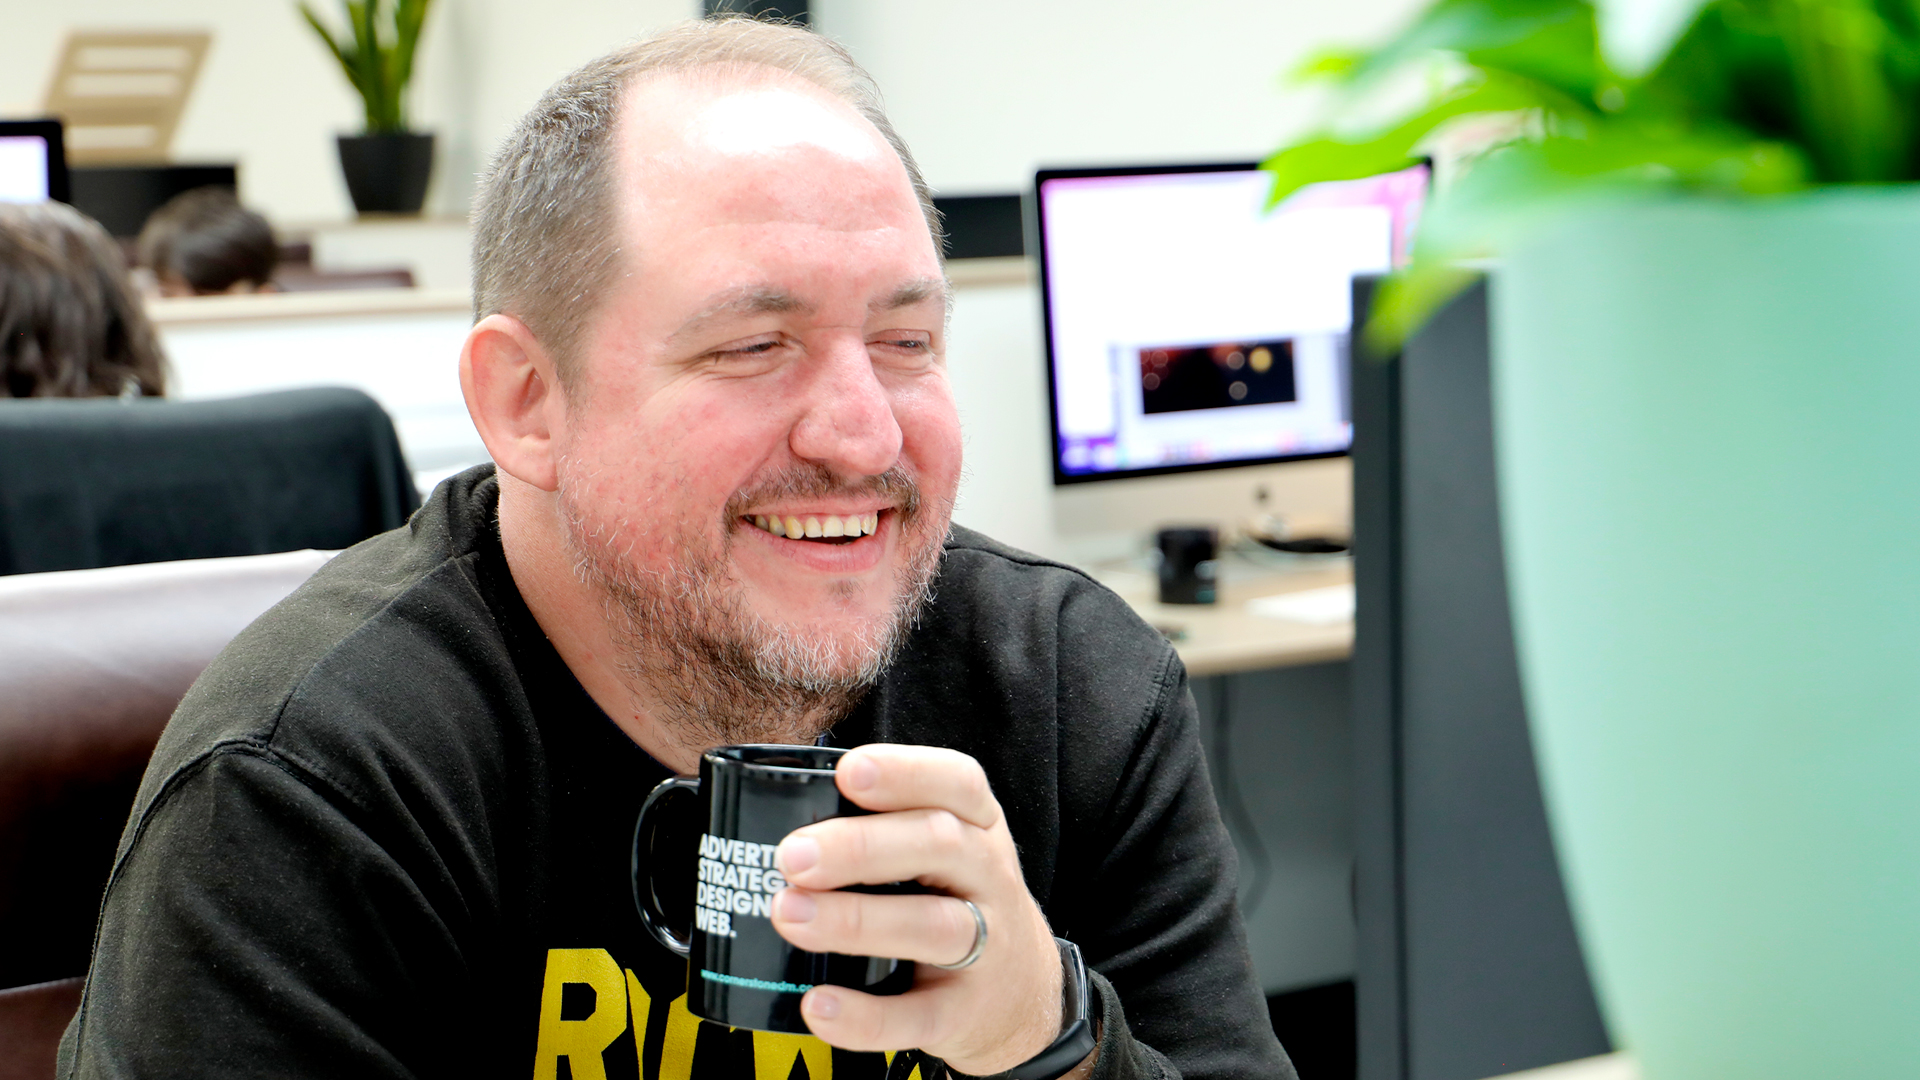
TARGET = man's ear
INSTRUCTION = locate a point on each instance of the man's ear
(514, 396)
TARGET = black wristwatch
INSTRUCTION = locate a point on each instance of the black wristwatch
(1078, 1005)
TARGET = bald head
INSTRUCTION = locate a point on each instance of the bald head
(734, 141)
(548, 223)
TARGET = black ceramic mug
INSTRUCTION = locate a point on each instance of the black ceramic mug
(704, 880)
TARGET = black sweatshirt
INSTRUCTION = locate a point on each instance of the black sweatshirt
(387, 834)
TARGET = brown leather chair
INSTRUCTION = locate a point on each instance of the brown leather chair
(92, 663)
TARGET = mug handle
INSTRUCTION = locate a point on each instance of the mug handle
(645, 899)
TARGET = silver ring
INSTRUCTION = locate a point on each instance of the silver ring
(979, 940)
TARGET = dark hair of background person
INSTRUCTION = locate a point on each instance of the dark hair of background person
(71, 324)
(204, 239)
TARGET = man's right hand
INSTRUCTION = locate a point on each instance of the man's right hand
(937, 823)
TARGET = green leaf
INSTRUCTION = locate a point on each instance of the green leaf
(1635, 34)
(326, 36)
(1328, 64)
(1329, 158)
(349, 63)
(1553, 41)
(408, 18)
(1407, 299)
(1853, 124)
(379, 61)
(1562, 52)
(363, 14)
(1514, 191)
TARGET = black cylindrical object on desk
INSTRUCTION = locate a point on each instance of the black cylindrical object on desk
(1187, 565)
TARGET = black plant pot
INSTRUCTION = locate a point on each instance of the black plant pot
(387, 173)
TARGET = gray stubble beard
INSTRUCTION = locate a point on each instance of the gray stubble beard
(720, 673)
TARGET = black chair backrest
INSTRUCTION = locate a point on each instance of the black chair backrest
(105, 482)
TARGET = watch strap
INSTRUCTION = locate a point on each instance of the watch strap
(1077, 1008)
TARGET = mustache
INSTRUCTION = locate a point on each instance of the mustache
(808, 480)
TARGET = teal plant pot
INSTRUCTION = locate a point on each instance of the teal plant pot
(1708, 430)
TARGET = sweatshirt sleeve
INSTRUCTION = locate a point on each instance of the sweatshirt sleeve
(252, 926)
(1157, 919)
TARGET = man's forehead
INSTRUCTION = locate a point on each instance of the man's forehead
(708, 115)
(753, 146)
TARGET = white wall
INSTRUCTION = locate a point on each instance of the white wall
(501, 55)
(987, 90)
(994, 361)
(983, 90)
(270, 98)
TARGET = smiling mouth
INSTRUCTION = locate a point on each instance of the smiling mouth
(818, 528)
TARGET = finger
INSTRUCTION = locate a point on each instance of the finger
(932, 847)
(852, 1020)
(927, 928)
(885, 776)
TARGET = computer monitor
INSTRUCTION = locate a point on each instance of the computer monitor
(33, 161)
(1190, 329)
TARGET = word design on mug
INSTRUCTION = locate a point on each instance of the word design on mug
(736, 878)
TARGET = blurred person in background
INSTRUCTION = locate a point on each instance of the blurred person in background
(204, 243)
(71, 324)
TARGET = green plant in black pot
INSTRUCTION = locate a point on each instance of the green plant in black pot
(1704, 323)
(388, 165)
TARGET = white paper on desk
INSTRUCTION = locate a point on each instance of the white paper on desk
(1317, 607)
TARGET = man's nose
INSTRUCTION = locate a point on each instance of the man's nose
(847, 421)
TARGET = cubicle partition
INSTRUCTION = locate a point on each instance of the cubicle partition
(1468, 966)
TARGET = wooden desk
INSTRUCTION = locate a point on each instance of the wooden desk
(1225, 638)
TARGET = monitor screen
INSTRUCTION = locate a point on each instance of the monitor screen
(1189, 327)
(33, 164)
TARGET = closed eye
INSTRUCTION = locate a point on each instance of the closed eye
(751, 356)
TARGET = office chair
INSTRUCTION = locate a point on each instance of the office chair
(92, 663)
(105, 482)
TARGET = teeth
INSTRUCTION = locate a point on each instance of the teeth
(794, 528)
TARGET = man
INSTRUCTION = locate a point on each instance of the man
(388, 833)
(204, 243)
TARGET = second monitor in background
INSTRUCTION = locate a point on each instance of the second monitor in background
(33, 162)
(1197, 340)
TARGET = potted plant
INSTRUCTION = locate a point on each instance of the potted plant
(1706, 319)
(386, 166)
